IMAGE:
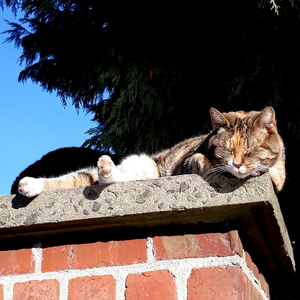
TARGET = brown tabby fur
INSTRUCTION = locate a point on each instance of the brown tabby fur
(249, 139)
(241, 143)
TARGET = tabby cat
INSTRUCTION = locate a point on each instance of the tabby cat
(241, 143)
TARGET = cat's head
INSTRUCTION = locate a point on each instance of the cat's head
(244, 143)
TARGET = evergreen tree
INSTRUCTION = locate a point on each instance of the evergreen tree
(163, 65)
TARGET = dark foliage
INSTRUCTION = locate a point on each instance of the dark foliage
(164, 65)
(60, 162)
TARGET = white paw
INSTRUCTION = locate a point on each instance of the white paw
(105, 165)
(30, 187)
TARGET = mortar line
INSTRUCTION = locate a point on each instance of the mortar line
(150, 250)
(131, 269)
(120, 278)
(37, 254)
(8, 291)
(181, 276)
(64, 288)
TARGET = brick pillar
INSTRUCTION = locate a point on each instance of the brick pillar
(176, 238)
(172, 267)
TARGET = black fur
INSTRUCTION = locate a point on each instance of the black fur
(59, 162)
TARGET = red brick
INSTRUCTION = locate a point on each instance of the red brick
(236, 243)
(91, 255)
(264, 285)
(172, 247)
(110, 253)
(36, 290)
(248, 260)
(57, 258)
(221, 283)
(1, 292)
(92, 288)
(154, 285)
(128, 252)
(83, 256)
(16, 262)
(251, 265)
(218, 244)
(201, 245)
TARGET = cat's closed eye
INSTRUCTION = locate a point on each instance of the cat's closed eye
(228, 150)
(251, 151)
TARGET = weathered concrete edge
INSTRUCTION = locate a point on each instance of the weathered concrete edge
(177, 199)
(177, 193)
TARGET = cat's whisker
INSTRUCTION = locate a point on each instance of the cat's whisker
(216, 170)
(261, 168)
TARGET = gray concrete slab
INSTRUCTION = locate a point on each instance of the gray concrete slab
(249, 206)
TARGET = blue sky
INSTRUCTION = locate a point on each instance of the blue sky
(32, 121)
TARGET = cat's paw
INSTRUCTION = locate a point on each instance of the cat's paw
(30, 187)
(105, 166)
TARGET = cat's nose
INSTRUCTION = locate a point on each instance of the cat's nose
(237, 164)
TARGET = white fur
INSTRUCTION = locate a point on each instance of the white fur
(30, 187)
(133, 167)
(240, 172)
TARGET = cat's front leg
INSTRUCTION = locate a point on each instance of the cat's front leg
(105, 169)
(30, 187)
(277, 173)
(197, 164)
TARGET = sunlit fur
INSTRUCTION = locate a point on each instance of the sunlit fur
(247, 144)
(241, 143)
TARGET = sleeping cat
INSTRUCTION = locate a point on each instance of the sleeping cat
(241, 143)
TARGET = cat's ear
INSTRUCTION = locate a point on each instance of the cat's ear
(217, 119)
(266, 119)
